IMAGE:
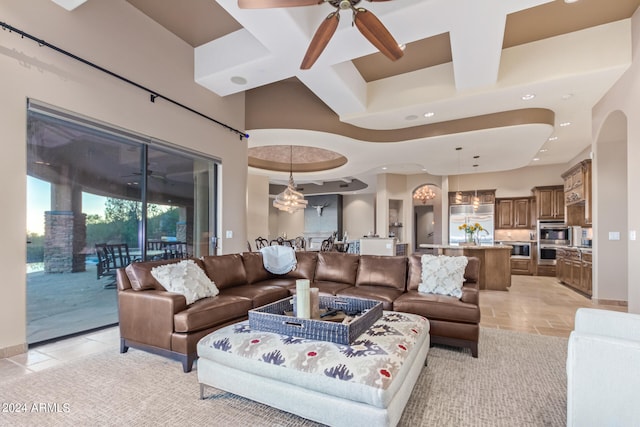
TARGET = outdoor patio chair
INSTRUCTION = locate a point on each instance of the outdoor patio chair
(110, 258)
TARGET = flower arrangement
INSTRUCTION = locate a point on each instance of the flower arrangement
(471, 228)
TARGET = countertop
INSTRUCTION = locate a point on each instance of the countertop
(487, 247)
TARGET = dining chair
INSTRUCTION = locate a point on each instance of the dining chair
(326, 246)
(299, 243)
(261, 242)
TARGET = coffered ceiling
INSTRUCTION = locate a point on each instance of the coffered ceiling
(468, 69)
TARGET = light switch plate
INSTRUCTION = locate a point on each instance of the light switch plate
(632, 235)
(229, 234)
(614, 235)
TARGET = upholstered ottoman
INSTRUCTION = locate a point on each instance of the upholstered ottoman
(367, 383)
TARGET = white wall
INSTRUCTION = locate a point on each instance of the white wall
(117, 36)
(623, 97)
(257, 207)
(358, 214)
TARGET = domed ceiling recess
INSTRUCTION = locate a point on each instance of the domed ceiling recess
(300, 159)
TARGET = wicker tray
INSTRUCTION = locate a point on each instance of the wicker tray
(271, 318)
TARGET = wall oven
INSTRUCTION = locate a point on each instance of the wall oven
(551, 236)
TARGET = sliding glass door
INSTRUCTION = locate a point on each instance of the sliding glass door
(99, 198)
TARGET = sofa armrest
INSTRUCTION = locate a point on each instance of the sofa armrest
(608, 323)
(147, 316)
(602, 383)
(470, 294)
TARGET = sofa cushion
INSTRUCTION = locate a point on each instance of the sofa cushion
(437, 307)
(225, 270)
(185, 278)
(211, 312)
(259, 294)
(140, 277)
(337, 267)
(307, 261)
(385, 271)
(385, 295)
(443, 275)
(254, 267)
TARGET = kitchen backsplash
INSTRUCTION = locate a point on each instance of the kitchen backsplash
(514, 235)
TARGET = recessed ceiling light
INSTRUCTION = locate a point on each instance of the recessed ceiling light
(475, 166)
(570, 1)
(565, 124)
(528, 96)
(384, 168)
(553, 138)
(567, 96)
(238, 80)
(535, 159)
(544, 150)
(429, 114)
(411, 117)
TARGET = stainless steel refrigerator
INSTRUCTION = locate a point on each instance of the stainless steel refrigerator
(464, 214)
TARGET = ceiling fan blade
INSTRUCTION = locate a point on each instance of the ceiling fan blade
(320, 40)
(265, 4)
(371, 27)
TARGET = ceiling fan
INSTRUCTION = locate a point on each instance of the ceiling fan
(368, 24)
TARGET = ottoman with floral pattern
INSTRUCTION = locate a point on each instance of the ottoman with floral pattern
(366, 383)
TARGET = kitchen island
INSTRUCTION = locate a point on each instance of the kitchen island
(495, 262)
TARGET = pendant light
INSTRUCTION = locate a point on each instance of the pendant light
(458, 193)
(290, 200)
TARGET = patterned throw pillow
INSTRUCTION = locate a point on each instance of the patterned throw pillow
(442, 275)
(185, 278)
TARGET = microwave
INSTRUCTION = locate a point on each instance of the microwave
(520, 250)
(553, 233)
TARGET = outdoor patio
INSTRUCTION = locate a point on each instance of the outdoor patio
(68, 303)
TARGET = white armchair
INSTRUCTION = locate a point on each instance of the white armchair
(603, 369)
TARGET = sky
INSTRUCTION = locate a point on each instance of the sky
(39, 201)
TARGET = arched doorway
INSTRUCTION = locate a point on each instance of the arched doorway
(427, 215)
(610, 190)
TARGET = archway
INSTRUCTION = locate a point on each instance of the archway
(610, 191)
(427, 215)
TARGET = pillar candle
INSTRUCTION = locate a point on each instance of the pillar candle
(314, 300)
(303, 306)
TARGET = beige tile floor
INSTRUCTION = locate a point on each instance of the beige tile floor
(538, 305)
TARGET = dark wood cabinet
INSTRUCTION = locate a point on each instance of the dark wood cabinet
(573, 268)
(549, 202)
(514, 213)
(485, 197)
(577, 194)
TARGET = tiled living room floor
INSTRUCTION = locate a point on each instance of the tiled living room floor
(538, 305)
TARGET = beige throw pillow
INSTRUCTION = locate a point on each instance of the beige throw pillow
(443, 275)
(185, 278)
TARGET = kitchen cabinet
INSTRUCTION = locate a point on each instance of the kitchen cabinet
(586, 281)
(578, 194)
(486, 197)
(574, 269)
(514, 213)
(549, 202)
(522, 266)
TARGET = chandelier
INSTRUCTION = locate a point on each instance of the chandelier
(424, 194)
(290, 200)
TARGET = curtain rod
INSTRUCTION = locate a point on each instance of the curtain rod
(152, 93)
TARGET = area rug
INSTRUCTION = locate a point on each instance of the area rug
(518, 380)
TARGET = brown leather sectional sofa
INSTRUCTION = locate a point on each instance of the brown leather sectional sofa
(155, 320)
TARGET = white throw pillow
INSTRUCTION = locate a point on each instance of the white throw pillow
(443, 275)
(185, 278)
